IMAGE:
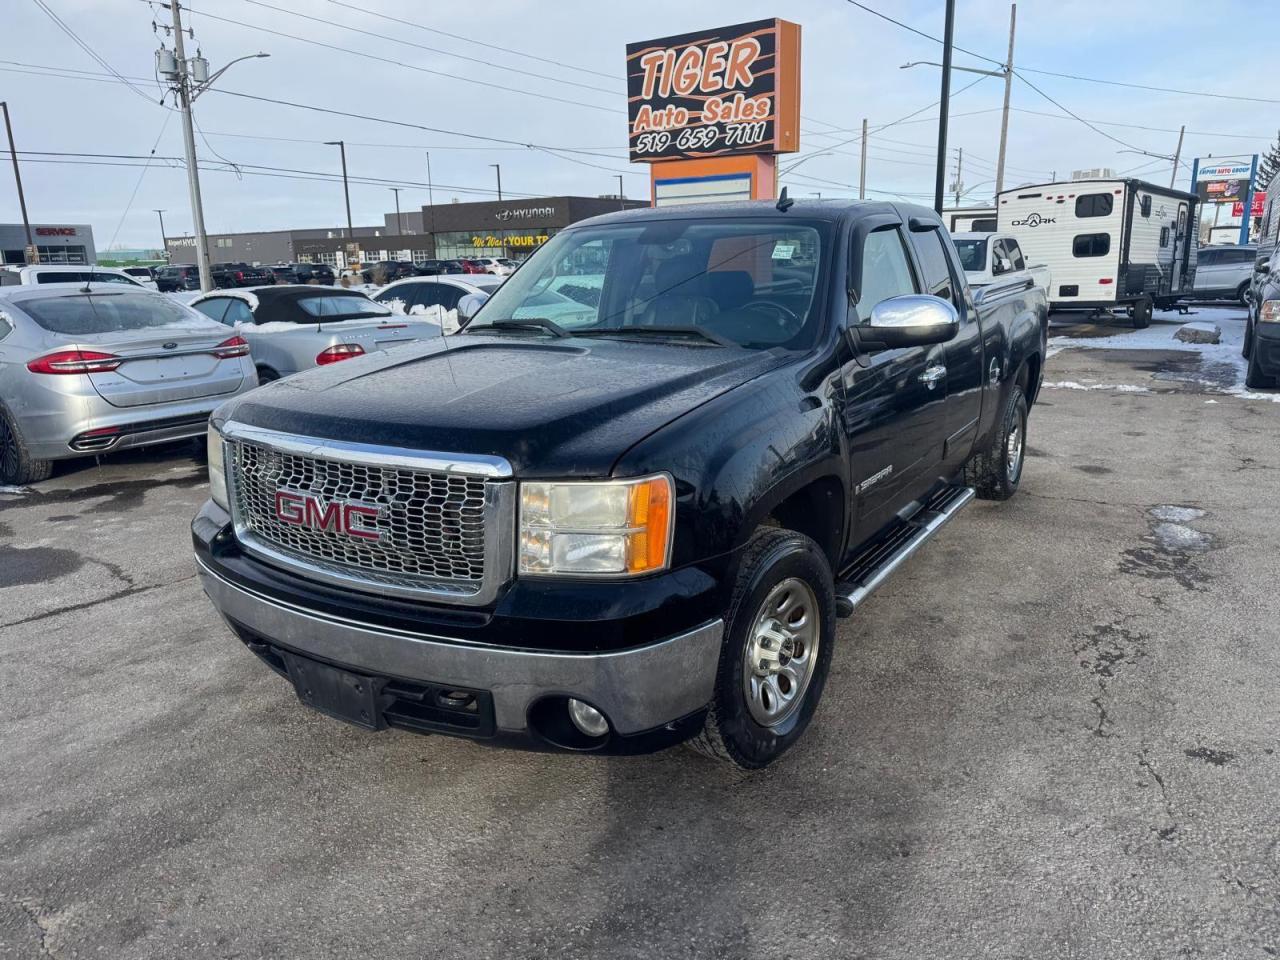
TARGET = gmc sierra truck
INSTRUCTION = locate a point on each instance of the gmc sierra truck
(625, 504)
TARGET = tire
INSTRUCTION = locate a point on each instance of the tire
(17, 466)
(1254, 378)
(1141, 313)
(1247, 345)
(266, 375)
(780, 571)
(995, 472)
(1242, 295)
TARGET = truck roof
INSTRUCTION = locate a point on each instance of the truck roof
(809, 209)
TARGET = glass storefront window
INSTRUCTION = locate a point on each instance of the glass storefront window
(515, 244)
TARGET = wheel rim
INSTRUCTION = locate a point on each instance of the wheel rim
(1013, 448)
(8, 452)
(781, 652)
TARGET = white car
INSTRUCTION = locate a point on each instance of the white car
(986, 256)
(423, 295)
(143, 275)
(41, 273)
(498, 266)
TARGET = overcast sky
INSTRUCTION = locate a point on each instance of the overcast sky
(851, 70)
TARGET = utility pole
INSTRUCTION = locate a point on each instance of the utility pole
(164, 243)
(498, 168)
(346, 191)
(431, 205)
(1004, 117)
(1177, 156)
(32, 255)
(958, 186)
(862, 164)
(948, 36)
(399, 222)
(190, 78)
(622, 197)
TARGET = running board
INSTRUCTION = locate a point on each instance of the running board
(877, 562)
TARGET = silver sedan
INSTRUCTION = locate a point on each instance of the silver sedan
(88, 369)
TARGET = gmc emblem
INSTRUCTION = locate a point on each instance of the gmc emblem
(329, 516)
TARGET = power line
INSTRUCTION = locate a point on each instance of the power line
(138, 183)
(407, 66)
(40, 4)
(420, 46)
(1103, 133)
(921, 33)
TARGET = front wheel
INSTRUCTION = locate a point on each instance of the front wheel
(776, 653)
(995, 471)
(1242, 295)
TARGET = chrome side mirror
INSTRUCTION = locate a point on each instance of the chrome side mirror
(470, 305)
(909, 321)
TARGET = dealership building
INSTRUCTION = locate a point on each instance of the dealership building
(55, 242)
(444, 231)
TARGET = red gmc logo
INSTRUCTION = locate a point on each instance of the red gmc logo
(330, 516)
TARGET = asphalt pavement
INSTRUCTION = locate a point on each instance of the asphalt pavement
(1051, 735)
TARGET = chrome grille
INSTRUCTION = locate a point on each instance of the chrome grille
(431, 526)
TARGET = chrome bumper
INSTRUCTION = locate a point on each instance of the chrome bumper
(638, 689)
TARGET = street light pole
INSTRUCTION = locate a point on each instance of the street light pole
(498, 168)
(431, 205)
(32, 255)
(399, 222)
(164, 243)
(622, 197)
(1177, 157)
(940, 176)
(1004, 117)
(346, 191)
(862, 164)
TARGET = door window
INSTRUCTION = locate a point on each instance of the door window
(214, 308)
(934, 265)
(1015, 255)
(445, 295)
(237, 312)
(886, 271)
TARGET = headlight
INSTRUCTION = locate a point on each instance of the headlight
(607, 528)
(1270, 312)
(217, 470)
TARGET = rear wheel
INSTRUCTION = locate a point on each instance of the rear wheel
(17, 466)
(1242, 294)
(776, 653)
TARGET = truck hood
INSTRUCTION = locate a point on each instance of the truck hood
(551, 407)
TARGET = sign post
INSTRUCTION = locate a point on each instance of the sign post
(709, 111)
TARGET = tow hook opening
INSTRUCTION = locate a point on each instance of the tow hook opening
(570, 723)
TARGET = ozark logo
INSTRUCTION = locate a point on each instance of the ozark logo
(1032, 220)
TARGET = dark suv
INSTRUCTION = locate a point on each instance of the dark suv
(385, 271)
(177, 277)
(240, 275)
(433, 268)
(315, 273)
(1262, 330)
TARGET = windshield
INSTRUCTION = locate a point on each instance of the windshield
(749, 282)
(973, 254)
(104, 313)
(339, 307)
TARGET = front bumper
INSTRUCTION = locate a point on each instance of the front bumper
(654, 694)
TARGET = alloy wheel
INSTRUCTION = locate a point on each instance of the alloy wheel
(1013, 452)
(8, 451)
(781, 652)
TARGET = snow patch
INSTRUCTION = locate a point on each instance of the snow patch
(14, 491)
(1175, 537)
(1073, 385)
(1175, 514)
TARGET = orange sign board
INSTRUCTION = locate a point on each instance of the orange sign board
(724, 91)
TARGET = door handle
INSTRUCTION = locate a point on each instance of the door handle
(931, 376)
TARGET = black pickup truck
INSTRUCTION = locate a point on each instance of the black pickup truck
(625, 504)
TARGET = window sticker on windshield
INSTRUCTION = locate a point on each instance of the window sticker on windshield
(783, 250)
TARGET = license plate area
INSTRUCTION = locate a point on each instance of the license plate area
(337, 693)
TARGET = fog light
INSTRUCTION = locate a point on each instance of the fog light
(587, 718)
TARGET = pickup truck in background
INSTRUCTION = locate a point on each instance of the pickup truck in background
(636, 524)
(991, 257)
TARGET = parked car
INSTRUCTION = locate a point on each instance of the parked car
(385, 271)
(178, 277)
(116, 367)
(292, 328)
(143, 275)
(1262, 329)
(431, 268)
(232, 275)
(420, 295)
(640, 529)
(1223, 272)
(497, 266)
(320, 274)
(472, 266)
(42, 273)
(987, 257)
(283, 273)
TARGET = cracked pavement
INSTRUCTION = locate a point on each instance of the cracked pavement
(1051, 735)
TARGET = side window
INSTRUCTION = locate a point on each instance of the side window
(1207, 258)
(1091, 245)
(237, 312)
(984, 225)
(1164, 237)
(6, 326)
(65, 276)
(444, 294)
(1094, 205)
(1015, 254)
(886, 271)
(998, 252)
(1145, 205)
(213, 308)
(938, 279)
(408, 294)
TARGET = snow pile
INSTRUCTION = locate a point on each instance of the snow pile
(1199, 331)
(1073, 385)
(1225, 355)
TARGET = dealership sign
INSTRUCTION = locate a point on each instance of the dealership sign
(1226, 182)
(728, 90)
(1256, 208)
(55, 231)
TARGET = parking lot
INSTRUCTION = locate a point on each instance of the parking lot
(1051, 735)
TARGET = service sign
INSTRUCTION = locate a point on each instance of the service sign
(715, 92)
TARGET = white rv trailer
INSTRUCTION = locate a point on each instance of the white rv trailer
(970, 219)
(1108, 243)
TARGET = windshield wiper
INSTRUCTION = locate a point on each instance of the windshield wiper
(524, 323)
(661, 331)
